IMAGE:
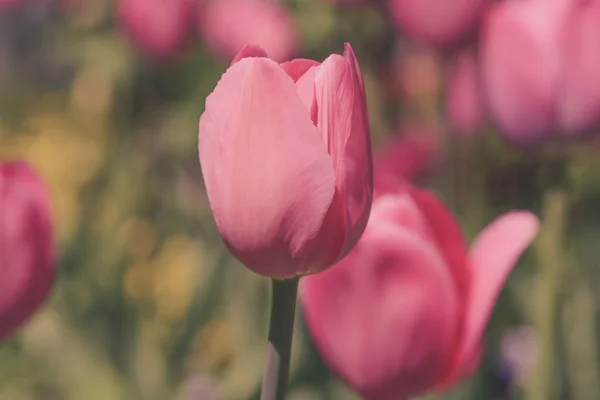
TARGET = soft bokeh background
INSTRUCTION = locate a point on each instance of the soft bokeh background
(149, 304)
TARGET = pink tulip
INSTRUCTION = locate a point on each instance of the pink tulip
(404, 313)
(464, 102)
(438, 22)
(228, 25)
(26, 248)
(9, 3)
(159, 27)
(539, 65)
(286, 159)
(413, 153)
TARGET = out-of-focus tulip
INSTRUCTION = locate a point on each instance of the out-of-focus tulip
(405, 311)
(464, 102)
(26, 245)
(413, 153)
(437, 22)
(160, 27)
(539, 67)
(228, 25)
(9, 3)
(286, 158)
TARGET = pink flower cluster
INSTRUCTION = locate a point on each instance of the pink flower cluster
(164, 27)
(531, 65)
(396, 302)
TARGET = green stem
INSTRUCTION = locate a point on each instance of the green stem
(550, 252)
(279, 347)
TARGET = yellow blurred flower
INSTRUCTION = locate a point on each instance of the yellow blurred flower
(213, 345)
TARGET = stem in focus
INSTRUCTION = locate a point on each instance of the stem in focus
(279, 347)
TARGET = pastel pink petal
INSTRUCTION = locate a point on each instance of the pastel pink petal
(27, 258)
(228, 25)
(580, 95)
(404, 158)
(436, 22)
(520, 65)
(298, 67)
(261, 156)
(448, 236)
(384, 317)
(159, 27)
(249, 51)
(464, 102)
(493, 255)
(343, 123)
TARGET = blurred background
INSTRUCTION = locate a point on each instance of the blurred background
(103, 98)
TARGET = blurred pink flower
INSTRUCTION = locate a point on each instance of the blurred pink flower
(405, 311)
(160, 27)
(228, 25)
(286, 159)
(406, 156)
(437, 22)
(9, 3)
(26, 246)
(539, 67)
(464, 101)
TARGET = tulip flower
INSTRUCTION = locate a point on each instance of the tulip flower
(159, 27)
(9, 3)
(464, 102)
(439, 23)
(404, 313)
(539, 67)
(26, 247)
(286, 160)
(226, 26)
(416, 151)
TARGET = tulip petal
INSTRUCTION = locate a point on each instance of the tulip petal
(384, 316)
(249, 51)
(448, 235)
(343, 124)
(268, 176)
(298, 67)
(580, 96)
(520, 66)
(493, 255)
(26, 248)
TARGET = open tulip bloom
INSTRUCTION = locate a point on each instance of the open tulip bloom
(405, 311)
(286, 159)
(26, 248)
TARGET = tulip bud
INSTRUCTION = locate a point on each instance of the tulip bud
(286, 160)
(159, 27)
(539, 67)
(26, 246)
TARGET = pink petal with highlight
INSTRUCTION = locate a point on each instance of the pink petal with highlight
(448, 236)
(493, 255)
(343, 124)
(260, 156)
(383, 317)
